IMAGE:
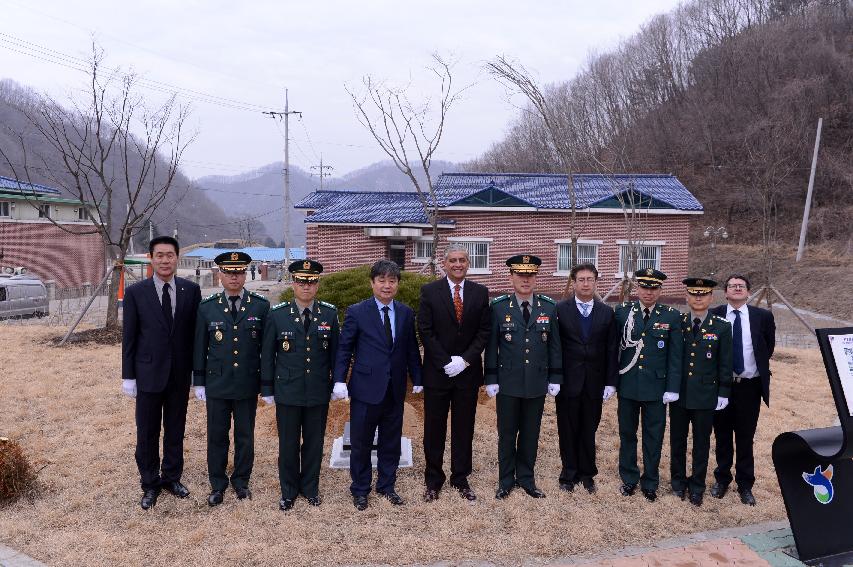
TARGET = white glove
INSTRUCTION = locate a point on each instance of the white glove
(609, 391)
(200, 394)
(492, 390)
(722, 403)
(417, 389)
(456, 365)
(269, 400)
(340, 391)
(553, 389)
(670, 397)
(128, 388)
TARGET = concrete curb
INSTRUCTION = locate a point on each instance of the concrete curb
(11, 558)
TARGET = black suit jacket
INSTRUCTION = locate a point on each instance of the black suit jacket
(443, 337)
(762, 329)
(591, 364)
(150, 353)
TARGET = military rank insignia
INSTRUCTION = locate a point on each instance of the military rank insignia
(507, 318)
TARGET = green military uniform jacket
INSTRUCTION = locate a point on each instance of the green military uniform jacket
(707, 370)
(523, 359)
(297, 366)
(656, 368)
(227, 353)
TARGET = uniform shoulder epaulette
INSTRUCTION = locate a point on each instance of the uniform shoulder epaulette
(329, 305)
(209, 297)
(723, 319)
(546, 298)
(499, 298)
(280, 305)
(258, 295)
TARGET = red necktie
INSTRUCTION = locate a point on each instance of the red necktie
(457, 303)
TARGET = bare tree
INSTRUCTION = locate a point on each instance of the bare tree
(111, 144)
(403, 128)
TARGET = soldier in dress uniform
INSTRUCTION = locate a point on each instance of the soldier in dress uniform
(523, 363)
(706, 380)
(227, 373)
(300, 342)
(650, 354)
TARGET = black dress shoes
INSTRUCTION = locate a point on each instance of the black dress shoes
(534, 492)
(313, 500)
(243, 493)
(467, 493)
(627, 489)
(149, 498)
(746, 497)
(503, 493)
(680, 493)
(360, 502)
(215, 498)
(430, 495)
(176, 488)
(650, 495)
(567, 486)
(285, 504)
(589, 484)
(696, 498)
(392, 497)
(719, 490)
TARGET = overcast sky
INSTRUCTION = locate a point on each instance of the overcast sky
(248, 52)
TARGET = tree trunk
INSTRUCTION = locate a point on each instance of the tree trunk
(115, 282)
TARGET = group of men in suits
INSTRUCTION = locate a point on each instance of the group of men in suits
(579, 350)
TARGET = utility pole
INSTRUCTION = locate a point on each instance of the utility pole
(322, 171)
(805, 227)
(286, 114)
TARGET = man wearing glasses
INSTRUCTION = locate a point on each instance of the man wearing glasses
(753, 338)
(300, 342)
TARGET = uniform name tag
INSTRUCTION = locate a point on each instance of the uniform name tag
(508, 325)
(286, 334)
(215, 325)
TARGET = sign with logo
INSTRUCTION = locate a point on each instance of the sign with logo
(821, 481)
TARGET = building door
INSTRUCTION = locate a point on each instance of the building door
(397, 252)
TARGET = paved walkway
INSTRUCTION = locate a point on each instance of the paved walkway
(11, 558)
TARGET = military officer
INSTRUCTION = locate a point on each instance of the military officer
(650, 354)
(300, 342)
(523, 363)
(706, 380)
(227, 373)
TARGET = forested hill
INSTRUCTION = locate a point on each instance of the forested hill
(197, 217)
(725, 94)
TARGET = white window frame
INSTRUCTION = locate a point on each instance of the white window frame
(416, 259)
(581, 242)
(7, 205)
(470, 240)
(623, 245)
(44, 211)
(82, 214)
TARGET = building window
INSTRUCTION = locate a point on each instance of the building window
(648, 256)
(587, 254)
(5, 209)
(478, 254)
(82, 213)
(44, 211)
(423, 250)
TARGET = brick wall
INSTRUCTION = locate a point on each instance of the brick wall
(341, 247)
(53, 254)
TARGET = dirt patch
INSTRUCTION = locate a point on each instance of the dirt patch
(67, 411)
(99, 336)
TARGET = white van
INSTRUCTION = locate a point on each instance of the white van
(22, 296)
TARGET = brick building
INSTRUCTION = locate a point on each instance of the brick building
(498, 215)
(29, 239)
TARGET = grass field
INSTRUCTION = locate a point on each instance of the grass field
(64, 405)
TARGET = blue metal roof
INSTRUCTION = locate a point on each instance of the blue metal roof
(535, 190)
(258, 254)
(9, 185)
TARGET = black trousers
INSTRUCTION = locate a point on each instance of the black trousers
(519, 420)
(680, 420)
(219, 415)
(654, 425)
(168, 407)
(461, 404)
(299, 464)
(387, 415)
(577, 421)
(738, 423)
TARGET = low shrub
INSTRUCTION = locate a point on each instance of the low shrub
(17, 476)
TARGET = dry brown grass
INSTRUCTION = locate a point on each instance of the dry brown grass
(65, 406)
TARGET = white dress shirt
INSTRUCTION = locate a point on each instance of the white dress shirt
(750, 368)
(589, 305)
(461, 289)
